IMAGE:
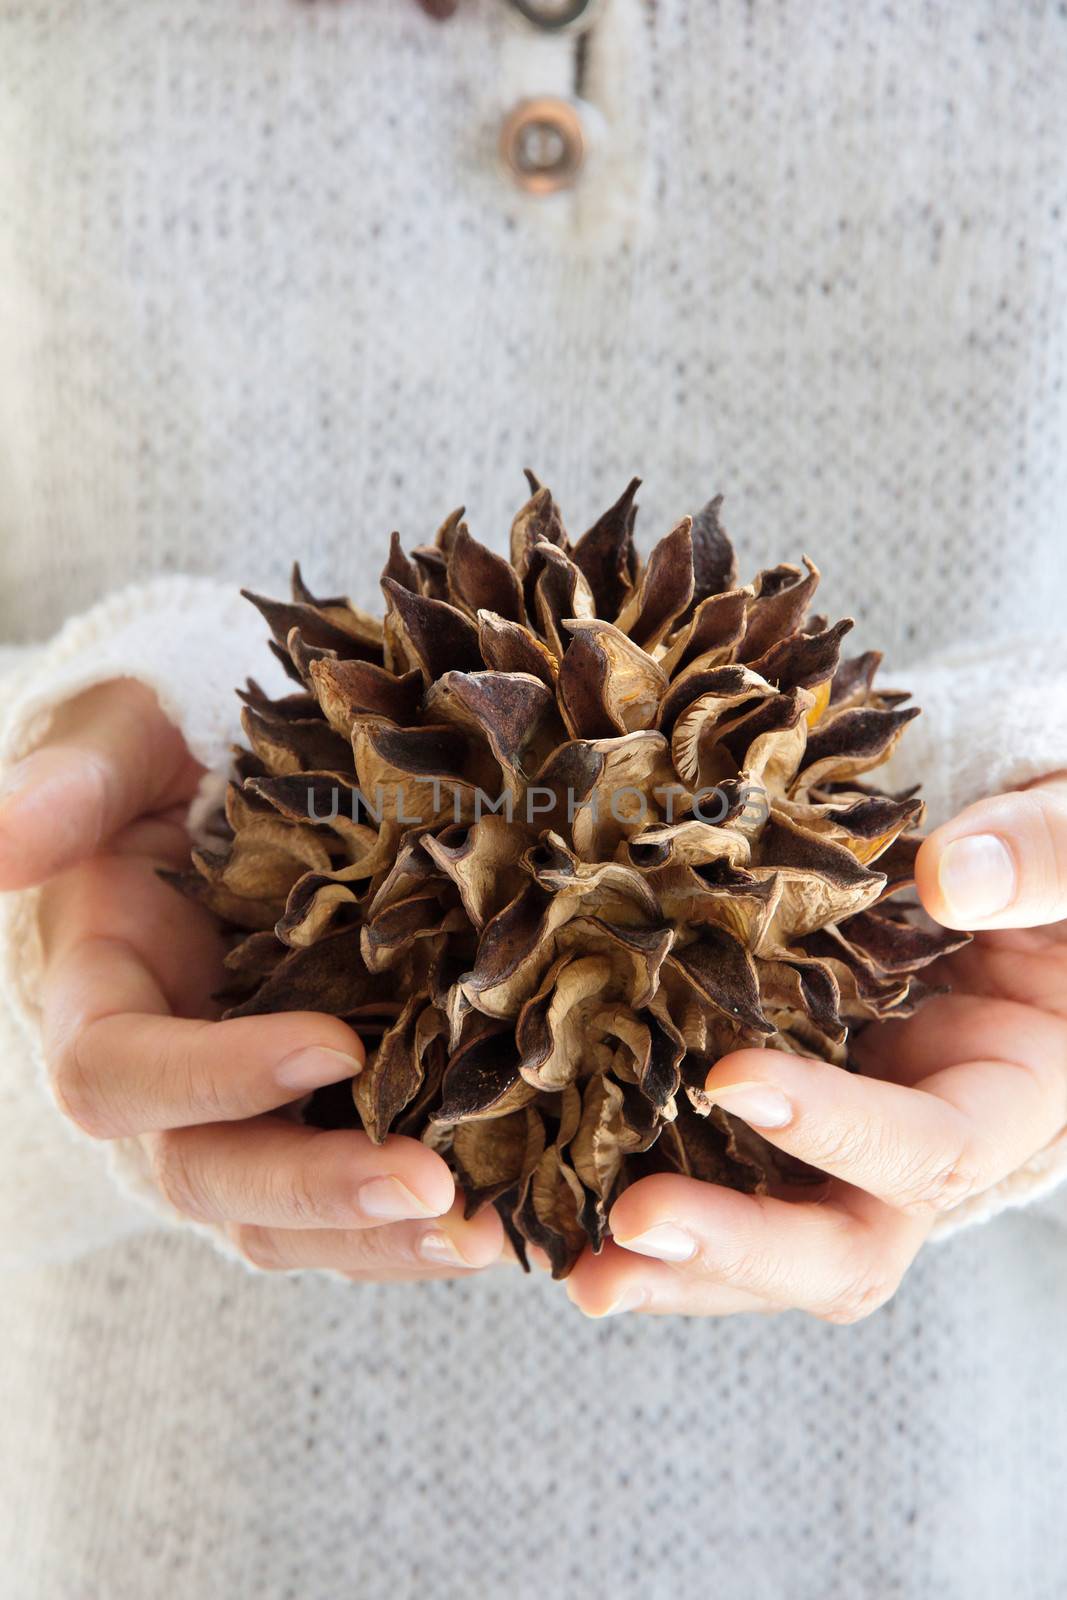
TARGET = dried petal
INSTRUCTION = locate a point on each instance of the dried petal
(607, 684)
(287, 745)
(329, 625)
(550, 1212)
(553, 1030)
(665, 590)
(714, 561)
(480, 580)
(851, 742)
(783, 595)
(710, 637)
(504, 708)
(392, 1074)
(482, 1079)
(327, 976)
(539, 520)
(506, 647)
(399, 567)
(561, 594)
(898, 946)
(440, 637)
(723, 973)
(494, 1156)
(606, 554)
(482, 860)
(348, 691)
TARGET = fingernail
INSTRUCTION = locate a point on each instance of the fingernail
(441, 1251)
(666, 1241)
(389, 1200)
(629, 1300)
(760, 1104)
(977, 877)
(315, 1067)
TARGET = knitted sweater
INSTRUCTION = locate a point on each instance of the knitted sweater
(265, 292)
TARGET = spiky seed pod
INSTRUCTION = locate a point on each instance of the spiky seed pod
(555, 836)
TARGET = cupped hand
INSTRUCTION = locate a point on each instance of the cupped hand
(129, 971)
(951, 1101)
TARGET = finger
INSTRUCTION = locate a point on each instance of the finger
(160, 838)
(1002, 863)
(120, 897)
(119, 1063)
(921, 1149)
(839, 1260)
(949, 1030)
(271, 1173)
(619, 1280)
(110, 755)
(448, 1248)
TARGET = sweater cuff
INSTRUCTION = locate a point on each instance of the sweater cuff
(192, 641)
(993, 720)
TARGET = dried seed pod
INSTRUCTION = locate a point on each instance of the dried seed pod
(556, 835)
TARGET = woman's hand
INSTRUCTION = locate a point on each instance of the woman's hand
(130, 967)
(957, 1098)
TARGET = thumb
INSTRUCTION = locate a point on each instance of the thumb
(110, 756)
(1002, 863)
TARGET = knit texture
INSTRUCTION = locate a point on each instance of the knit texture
(264, 293)
(184, 1430)
(265, 290)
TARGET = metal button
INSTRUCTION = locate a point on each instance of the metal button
(556, 15)
(543, 145)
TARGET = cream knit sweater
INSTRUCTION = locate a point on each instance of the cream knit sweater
(264, 292)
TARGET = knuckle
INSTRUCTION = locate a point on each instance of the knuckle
(939, 1185)
(755, 1271)
(257, 1246)
(862, 1295)
(201, 1087)
(173, 1176)
(98, 782)
(372, 1251)
(1051, 829)
(911, 1182)
(302, 1201)
(76, 1092)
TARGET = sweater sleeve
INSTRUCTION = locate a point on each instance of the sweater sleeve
(192, 641)
(994, 719)
(56, 1198)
